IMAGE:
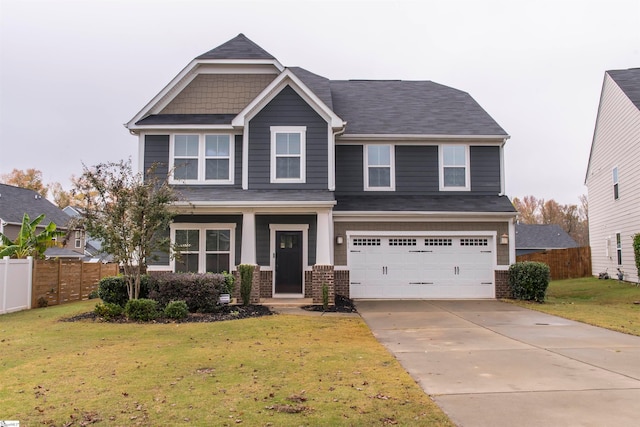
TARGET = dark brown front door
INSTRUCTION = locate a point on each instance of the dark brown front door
(288, 262)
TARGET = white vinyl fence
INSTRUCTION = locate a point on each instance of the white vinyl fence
(15, 284)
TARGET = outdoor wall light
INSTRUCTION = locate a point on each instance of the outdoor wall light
(504, 239)
(339, 240)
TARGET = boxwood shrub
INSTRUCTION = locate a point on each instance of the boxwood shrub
(199, 291)
(108, 311)
(176, 310)
(142, 309)
(114, 289)
(529, 280)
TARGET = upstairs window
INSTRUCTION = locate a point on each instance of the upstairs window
(288, 149)
(454, 168)
(202, 159)
(616, 193)
(379, 168)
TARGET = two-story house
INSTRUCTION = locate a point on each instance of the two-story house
(379, 189)
(613, 176)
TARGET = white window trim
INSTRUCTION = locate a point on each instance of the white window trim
(302, 130)
(392, 161)
(202, 160)
(202, 253)
(467, 169)
(616, 181)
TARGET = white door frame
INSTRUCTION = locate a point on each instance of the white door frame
(304, 228)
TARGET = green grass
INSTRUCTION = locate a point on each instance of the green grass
(605, 303)
(276, 370)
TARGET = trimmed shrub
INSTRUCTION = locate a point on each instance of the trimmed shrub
(176, 310)
(114, 289)
(199, 291)
(325, 296)
(230, 283)
(142, 309)
(108, 310)
(93, 294)
(529, 280)
(246, 281)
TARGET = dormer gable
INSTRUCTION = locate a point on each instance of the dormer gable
(220, 82)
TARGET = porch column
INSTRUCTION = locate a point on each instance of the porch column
(323, 243)
(248, 249)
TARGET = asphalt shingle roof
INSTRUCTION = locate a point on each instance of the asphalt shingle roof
(16, 201)
(318, 84)
(239, 47)
(629, 82)
(187, 119)
(195, 193)
(409, 107)
(543, 236)
(440, 203)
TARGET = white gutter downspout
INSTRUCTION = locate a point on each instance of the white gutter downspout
(332, 157)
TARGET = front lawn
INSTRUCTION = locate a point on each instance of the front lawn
(277, 370)
(605, 303)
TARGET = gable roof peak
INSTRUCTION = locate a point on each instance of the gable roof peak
(239, 47)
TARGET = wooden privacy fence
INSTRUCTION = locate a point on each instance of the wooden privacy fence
(61, 281)
(564, 263)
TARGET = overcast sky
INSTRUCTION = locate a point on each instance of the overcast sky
(72, 72)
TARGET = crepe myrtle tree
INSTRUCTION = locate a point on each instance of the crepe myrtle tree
(128, 213)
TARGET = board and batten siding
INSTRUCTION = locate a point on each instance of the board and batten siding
(288, 109)
(417, 169)
(616, 143)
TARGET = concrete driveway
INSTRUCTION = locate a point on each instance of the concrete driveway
(489, 363)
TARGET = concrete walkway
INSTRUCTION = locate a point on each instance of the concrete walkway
(489, 363)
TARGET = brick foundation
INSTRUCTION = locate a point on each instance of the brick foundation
(321, 275)
(341, 280)
(308, 284)
(502, 284)
(256, 286)
(266, 284)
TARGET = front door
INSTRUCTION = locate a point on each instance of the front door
(288, 262)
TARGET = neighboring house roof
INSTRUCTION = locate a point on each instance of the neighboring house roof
(543, 236)
(16, 201)
(239, 47)
(443, 203)
(62, 253)
(629, 82)
(409, 107)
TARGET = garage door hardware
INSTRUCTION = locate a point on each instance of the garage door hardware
(421, 251)
(421, 283)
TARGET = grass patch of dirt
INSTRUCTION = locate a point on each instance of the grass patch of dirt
(282, 370)
(610, 304)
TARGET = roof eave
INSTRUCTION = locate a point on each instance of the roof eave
(434, 137)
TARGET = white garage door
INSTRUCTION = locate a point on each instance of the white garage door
(421, 267)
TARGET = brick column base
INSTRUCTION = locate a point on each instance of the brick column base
(255, 285)
(502, 284)
(323, 275)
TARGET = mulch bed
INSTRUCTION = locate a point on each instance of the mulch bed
(343, 305)
(226, 312)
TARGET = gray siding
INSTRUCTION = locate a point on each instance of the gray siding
(349, 169)
(156, 150)
(160, 257)
(485, 169)
(417, 169)
(237, 183)
(288, 109)
(263, 235)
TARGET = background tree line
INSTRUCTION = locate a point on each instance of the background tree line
(573, 219)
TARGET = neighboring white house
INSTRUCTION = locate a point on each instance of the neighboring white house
(613, 175)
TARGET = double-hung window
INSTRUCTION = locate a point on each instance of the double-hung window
(202, 159)
(616, 193)
(379, 168)
(203, 248)
(454, 168)
(619, 248)
(288, 154)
